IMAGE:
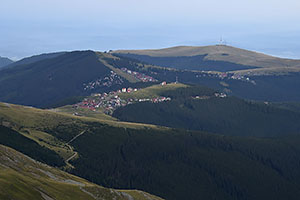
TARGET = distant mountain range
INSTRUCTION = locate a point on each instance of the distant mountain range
(5, 61)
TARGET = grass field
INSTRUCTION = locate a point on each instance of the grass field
(84, 112)
(152, 91)
(23, 178)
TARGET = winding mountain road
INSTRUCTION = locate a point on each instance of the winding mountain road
(71, 148)
(74, 138)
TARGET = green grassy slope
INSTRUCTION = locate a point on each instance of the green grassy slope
(152, 91)
(50, 128)
(103, 57)
(84, 112)
(22, 178)
(29, 147)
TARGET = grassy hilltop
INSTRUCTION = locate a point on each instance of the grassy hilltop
(193, 57)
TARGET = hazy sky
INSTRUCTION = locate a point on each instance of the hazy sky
(36, 26)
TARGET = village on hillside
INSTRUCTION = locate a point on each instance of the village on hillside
(107, 81)
(114, 79)
(108, 102)
(140, 76)
(225, 75)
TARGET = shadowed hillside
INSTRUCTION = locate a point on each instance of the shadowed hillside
(36, 58)
(4, 62)
(52, 80)
(55, 79)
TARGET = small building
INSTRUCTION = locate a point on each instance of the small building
(129, 90)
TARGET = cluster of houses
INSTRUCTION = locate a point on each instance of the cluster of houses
(204, 97)
(108, 102)
(226, 75)
(107, 81)
(201, 97)
(128, 90)
(220, 95)
(153, 100)
(242, 78)
(140, 76)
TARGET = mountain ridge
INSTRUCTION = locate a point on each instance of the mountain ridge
(218, 53)
(35, 58)
(54, 79)
(5, 61)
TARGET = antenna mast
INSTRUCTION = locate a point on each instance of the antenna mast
(222, 41)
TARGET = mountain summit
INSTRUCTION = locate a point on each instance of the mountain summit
(222, 53)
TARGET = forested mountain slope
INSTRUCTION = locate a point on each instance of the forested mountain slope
(198, 108)
(23, 178)
(4, 62)
(171, 163)
(52, 80)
